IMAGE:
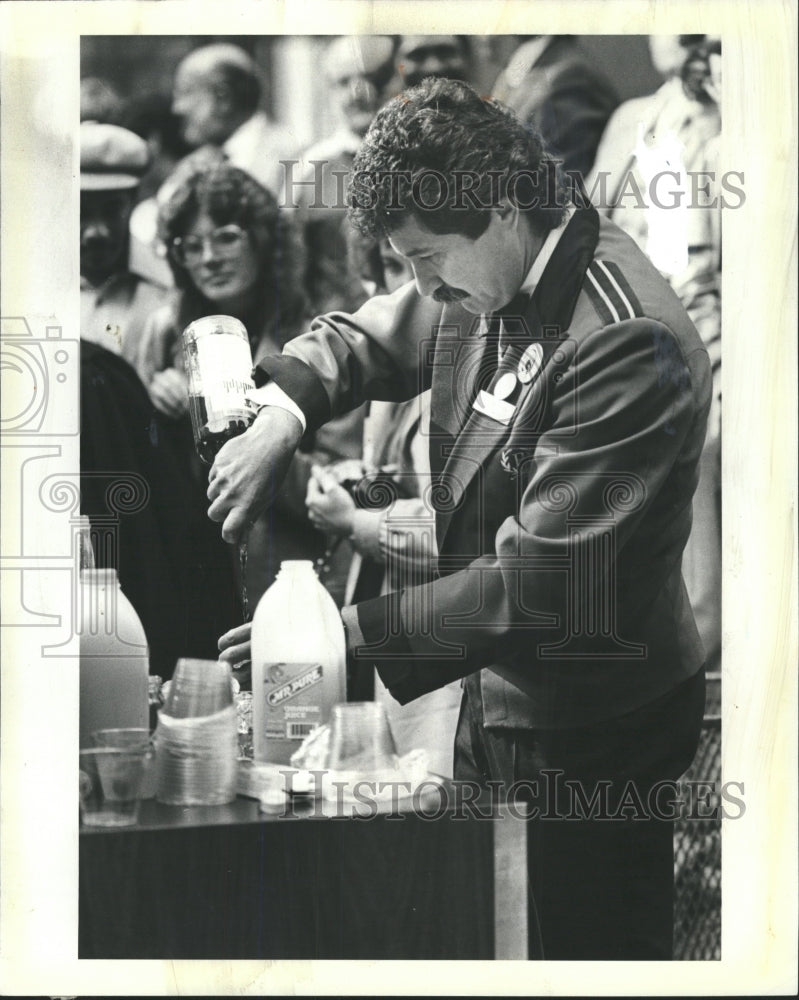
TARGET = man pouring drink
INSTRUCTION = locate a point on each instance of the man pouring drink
(570, 394)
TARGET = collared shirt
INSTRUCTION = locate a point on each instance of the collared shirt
(309, 182)
(548, 248)
(534, 274)
(114, 315)
(272, 395)
(257, 146)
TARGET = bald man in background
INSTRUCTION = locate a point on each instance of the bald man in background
(217, 93)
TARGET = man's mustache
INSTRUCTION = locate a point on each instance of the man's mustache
(446, 293)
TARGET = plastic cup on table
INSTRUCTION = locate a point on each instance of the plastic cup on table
(111, 781)
(127, 739)
(361, 740)
(198, 688)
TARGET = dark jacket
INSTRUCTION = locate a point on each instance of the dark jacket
(561, 533)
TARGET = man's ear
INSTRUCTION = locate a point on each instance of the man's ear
(222, 97)
(508, 213)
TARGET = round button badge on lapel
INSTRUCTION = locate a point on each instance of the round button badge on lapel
(530, 363)
(505, 385)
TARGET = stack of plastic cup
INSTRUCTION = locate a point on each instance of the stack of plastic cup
(197, 740)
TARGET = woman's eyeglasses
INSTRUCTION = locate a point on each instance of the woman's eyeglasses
(224, 242)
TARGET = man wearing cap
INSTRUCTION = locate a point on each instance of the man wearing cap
(114, 302)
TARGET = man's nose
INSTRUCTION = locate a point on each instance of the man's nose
(427, 281)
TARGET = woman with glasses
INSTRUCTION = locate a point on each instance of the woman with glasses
(232, 251)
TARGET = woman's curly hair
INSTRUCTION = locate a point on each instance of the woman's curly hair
(229, 195)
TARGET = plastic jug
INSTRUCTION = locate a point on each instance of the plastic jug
(114, 658)
(298, 661)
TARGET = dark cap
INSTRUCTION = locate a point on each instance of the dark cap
(111, 158)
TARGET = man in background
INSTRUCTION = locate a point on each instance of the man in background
(550, 83)
(357, 69)
(641, 181)
(115, 302)
(217, 94)
(216, 98)
(420, 56)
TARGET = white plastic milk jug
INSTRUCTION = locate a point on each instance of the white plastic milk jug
(298, 661)
(114, 658)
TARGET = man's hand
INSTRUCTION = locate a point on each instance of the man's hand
(169, 391)
(250, 469)
(234, 646)
(330, 507)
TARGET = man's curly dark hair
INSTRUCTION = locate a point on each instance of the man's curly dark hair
(230, 195)
(447, 155)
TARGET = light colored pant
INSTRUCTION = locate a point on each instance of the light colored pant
(701, 564)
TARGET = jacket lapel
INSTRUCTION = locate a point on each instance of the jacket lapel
(459, 357)
(545, 321)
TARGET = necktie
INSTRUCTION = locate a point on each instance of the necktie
(511, 332)
(507, 339)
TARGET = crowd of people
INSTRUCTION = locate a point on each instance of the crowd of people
(186, 210)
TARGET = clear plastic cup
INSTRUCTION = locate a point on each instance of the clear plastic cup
(199, 687)
(360, 739)
(110, 785)
(126, 739)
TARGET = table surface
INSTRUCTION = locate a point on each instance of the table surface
(417, 879)
(437, 797)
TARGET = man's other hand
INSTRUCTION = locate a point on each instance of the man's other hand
(235, 645)
(250, 469)
(169, 391)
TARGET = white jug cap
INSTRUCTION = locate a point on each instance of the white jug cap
(100, 577)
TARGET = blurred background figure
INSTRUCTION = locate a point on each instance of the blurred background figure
(641, 179)
(356, 70)
(99, 101)
(233, 251)
(216, 104)
(216, 96)
(418, 56)
(182, 596)
(115, 302)
(168, 577)
(391, 528)
(151, 117)
(552, 84)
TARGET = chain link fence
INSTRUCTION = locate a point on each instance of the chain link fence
(697, 847)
